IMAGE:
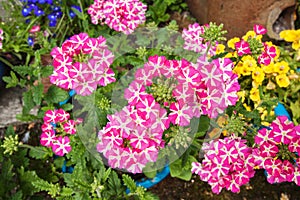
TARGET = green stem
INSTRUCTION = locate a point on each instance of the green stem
(6, 62)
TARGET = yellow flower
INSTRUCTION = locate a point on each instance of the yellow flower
(255, 84)
(268, 69)
(232, 41)
(241, 95)
(220, 48)
(282, 80)
(254, 94)
(281, 67)
(238, 69)
(249, 34)
(291, 36)
(265, 123)
(249, 62)
(258, 75)
(248, 108)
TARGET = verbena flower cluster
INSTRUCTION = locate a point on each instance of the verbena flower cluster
(228, 163)
(194, 41)
(82, 63)
(278, 148)
(55, 130)
(120, 15)
(163, 93)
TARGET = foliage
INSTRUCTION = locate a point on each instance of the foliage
(205, 98)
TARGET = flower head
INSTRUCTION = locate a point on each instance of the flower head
(120, 15)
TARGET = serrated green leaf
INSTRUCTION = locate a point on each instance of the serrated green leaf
(17, 196)
(295, 109)
(67, 106)
(26, 117)
(66, 192)
(39, 152)
(11, 81)
(10, 131)
(42, 185)
(184, 173)
(56, 95)
(114, 185)
(23, 70)
(37, 92)
(129, 182)
(26, 179)
(46, 70)
(58, 162)
(27, 101)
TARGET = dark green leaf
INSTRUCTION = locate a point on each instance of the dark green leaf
(28, 101)
(23, 70)
(39, 152)
(37, 92)
(67, 106)
(56, 95)
(46, 71)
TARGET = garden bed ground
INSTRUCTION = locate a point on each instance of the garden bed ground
(175, 189)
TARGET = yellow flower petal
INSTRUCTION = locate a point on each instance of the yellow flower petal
(282, 80)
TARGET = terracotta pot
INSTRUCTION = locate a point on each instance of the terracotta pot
(239, 16)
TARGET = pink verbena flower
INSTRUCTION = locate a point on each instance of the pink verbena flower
(57, 124)
(220, 85)
(61, 146)
(242, 48)
(82, 64)
(225, 165)
(193, 40)
(278, 150)
(259, 29)
(47, 138)
(120, 15)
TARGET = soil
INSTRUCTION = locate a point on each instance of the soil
(176, 189)
(258, 188)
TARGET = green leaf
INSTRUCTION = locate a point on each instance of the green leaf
(10, 131)
(182, 172)
(66, 192)
(26, 179)
(37, 92)
(295, 109)
(46, 71)
(6, 178)
(129, 182)
(40, 152)
(28, 101)
(42, 185)
(114, 185)
(204, 123)
(78, 13)
(55, 95)
(23, 70)
(26, 117)
(17, 196)
(11, 81)
(67, 106)
(58, 162)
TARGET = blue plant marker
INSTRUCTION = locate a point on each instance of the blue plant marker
(148, 183)
(281, 111)
(71, 94)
